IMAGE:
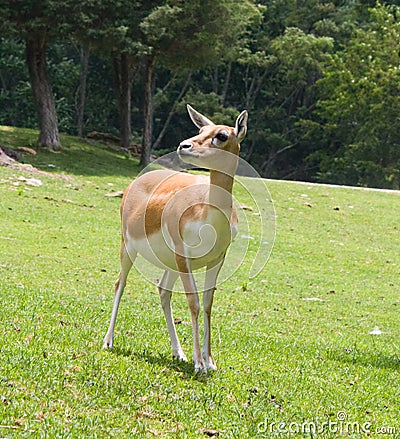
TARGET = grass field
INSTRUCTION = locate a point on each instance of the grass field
(293, 345)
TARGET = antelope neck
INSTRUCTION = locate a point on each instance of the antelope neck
(221, 185)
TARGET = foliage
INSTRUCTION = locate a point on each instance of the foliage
(292, 345)
(297, 59)
(359, 107)
(16, 104)
(319, 77)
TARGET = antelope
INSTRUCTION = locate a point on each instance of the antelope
(181, 222)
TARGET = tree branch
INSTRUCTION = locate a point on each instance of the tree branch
(172, 112)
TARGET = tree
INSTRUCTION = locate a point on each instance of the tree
(314, 75)
(34, 22)
(16, 104)
(182, 35)
(359, 107)
(104, 26)
(280, 93)
(272, 72)
(81, 99)
(124, 68)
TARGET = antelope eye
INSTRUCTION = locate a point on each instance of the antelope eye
(222, 137)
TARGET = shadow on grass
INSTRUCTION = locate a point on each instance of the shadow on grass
(77, 156)
(359, 357)
(89, 161)
(184, 369)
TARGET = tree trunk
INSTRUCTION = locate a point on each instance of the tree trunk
(123, 74)
(148, 112)
(42, 93)
(85, 52)
(226, 82)
(172, 112)
(254, 86)
(215, 80)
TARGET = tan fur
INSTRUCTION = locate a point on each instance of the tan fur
(145, 199)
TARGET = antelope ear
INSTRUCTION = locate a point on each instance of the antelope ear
(197, 118)
(241, 125)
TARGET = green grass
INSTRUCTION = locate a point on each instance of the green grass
(282, 358)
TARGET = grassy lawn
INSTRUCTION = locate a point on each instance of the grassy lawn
(293, 345)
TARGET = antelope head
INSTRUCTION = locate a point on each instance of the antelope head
(216, 147)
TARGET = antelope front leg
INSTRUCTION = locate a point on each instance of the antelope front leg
(165, 288)
(208, 297)
(193, 301)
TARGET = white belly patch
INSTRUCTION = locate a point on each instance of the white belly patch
(202, 244)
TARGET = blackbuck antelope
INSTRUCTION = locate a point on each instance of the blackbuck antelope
(182, 222)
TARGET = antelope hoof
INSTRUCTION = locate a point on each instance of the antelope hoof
(200, 368)
(209, 362)
(210, 365)
(108, 342)
(179, 356)
(204, 366)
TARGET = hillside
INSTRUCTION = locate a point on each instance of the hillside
(314, 338)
